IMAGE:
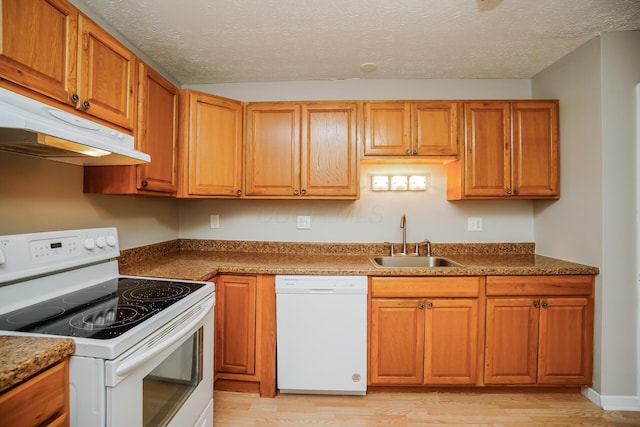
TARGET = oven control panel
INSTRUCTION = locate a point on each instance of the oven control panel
(26, 255)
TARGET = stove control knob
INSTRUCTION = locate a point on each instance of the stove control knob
(111, 240)
(3, 257)
(101, 242)
(89, 243)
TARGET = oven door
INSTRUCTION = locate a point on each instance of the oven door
(168, 378)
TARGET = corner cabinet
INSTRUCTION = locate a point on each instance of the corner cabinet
(245, 342)
(68, 58)
(539, 330)
(510, 151)
(424, 331)
(406, 129)
(156, 134)
(295, 150)
(210, 146)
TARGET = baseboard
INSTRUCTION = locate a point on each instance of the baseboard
(612, 403)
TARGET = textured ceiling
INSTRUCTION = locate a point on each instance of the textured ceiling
(215, 41)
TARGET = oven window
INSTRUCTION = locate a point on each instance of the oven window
(172, 381)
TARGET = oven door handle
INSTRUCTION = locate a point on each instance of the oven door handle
(160, 345)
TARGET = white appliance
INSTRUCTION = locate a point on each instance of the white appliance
(321, 334)
(30, 127)
(144, 346)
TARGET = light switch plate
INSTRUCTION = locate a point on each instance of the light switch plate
(474, 224)
(215, 221)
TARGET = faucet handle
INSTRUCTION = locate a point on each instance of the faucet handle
(417, 252)
(428, 246)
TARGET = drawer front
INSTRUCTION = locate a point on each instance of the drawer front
(414, 287)
(38, 400)
(539, 285)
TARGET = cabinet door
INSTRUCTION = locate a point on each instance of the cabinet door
(329, 156)
(566, 341)
(535, 148)
(106, 75)
(511, 341)
(487, 167)
(39, 46)
(396, 340)
(157, 131)
(387, 129)
(434, 128)
(235, 334)
(211, 146)
(272, 165)
(451, 341)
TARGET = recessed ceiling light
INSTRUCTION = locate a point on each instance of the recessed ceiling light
(368, 67)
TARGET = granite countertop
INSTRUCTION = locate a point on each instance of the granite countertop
(201, 260)
(24, 357)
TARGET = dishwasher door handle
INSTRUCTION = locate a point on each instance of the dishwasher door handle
(322, 291)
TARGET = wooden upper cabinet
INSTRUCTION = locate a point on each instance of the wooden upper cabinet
(295, 150)
(329, 155)
(49, 47)
(39, 46)
(510, 150)
(272, 166)
(156, 134)
(422, 128)
(535, 149)
(387, 129)
(210, 146)
(106, 75)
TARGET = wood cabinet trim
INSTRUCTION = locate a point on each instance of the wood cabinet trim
(539, 285)
(414, 287)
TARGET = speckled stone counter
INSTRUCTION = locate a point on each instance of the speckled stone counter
(203, 259)
(23, 357)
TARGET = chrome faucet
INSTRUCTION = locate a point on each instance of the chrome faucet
(428, 246)
(403, 225)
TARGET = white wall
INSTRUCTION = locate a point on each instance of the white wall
(375, 217)
(43, 195)
(595, 220)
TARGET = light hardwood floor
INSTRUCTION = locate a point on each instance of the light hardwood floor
(416, 409)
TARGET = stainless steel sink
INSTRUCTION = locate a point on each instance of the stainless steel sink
(414, 261)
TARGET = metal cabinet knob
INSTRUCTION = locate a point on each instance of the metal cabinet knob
(545, 304)
(415, 151)
(303, 191)
(508, 190)
(421, 305)
(430, 305)
(74, 97)
(516, 191)
(239, 193)
(86, 105)
(295, 191)
(145, 183)
(536, 303)
(408, 151)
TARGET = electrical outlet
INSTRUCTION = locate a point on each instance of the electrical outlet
(474, 224)
(303, 222)
(215, 221)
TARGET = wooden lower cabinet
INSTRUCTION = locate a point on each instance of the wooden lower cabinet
(421, 339)
(42, 400)
(245, 333)
(539, 330)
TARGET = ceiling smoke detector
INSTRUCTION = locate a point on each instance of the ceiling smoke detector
(368, 67)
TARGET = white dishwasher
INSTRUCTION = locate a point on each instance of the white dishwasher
(321, 334)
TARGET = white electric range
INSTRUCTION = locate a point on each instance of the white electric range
(144, 346)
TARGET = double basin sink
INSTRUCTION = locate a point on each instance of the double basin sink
(414, 261)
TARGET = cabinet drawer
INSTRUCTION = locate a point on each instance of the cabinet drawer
(39, 400)
(539, 285)
(425, 286)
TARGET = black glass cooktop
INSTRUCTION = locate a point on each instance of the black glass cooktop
(103, 311)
